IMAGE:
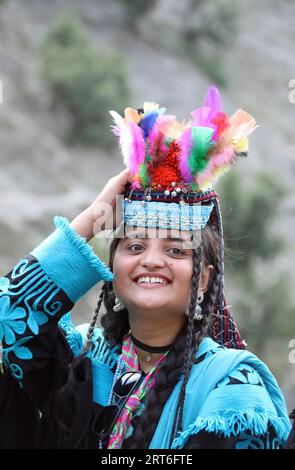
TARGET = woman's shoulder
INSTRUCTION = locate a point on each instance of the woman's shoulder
(220, 366)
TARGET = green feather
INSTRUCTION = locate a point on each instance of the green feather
(144, 175)
(201, 144)
(143, 172)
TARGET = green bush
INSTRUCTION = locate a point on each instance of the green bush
(208, 29)
(135, 9)
(86, 82)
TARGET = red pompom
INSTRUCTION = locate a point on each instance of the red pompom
(164, 173)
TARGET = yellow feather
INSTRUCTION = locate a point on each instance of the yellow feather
(241, 145)
(150, 106)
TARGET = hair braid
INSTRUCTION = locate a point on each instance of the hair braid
(92, 323)
(214, 301)
(192, 342)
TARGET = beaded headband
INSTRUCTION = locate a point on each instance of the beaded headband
(175, 167)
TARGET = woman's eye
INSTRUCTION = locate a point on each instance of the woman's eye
(135, 247)
(177, 251)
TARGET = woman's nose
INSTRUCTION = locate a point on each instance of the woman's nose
(152, 258)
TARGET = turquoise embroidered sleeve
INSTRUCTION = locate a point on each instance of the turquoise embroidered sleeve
(38, 291)
(70, 262)
(30, 306)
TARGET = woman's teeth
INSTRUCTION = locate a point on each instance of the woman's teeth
(151, 280)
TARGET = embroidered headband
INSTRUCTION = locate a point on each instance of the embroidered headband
(175, 167)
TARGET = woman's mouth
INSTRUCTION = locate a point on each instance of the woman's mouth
(150, 282)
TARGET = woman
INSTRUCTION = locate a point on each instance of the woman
(168, 368)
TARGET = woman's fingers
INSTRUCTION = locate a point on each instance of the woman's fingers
(103, 209)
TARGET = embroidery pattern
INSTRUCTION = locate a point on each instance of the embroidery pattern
(242, 375)
(28, 297)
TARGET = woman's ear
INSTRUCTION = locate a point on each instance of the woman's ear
(205, 277)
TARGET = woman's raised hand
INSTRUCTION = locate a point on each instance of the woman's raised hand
(100, 215)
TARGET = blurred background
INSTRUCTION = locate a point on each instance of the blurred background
(65, 63)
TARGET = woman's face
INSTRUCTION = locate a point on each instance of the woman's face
(153, 274)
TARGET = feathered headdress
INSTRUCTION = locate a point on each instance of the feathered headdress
(160, 150)
(175, 166)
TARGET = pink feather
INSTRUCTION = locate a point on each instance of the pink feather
(213, 101)
(201, 116)
(131, 141)
(185, 143)
(135, 185)
(216, 162)
(137, 151)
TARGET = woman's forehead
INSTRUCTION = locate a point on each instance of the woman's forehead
(152, 232)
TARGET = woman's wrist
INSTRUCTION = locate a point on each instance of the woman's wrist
(83, 224)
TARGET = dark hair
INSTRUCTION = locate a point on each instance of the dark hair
(181, 356)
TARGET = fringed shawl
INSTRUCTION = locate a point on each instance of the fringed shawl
(224, 410)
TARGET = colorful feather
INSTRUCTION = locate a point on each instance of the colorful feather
(149, 120)
(213, 101)
(131, 142)
(156, 139)
(201, 143)
(137, 154)
(241, 124)
(149, 106)
(221, 122)
(122, 133)
(185, 143)
(201, 116)
(132, 115)
(159, 150)
(215, 166)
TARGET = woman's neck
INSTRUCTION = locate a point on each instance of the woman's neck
(153, 334)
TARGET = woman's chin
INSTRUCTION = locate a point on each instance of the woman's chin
(148, 305)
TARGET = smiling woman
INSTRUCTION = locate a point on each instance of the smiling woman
(167, 368)
(153, 281)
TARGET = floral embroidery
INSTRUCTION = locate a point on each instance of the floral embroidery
(27, 298)
(20, 351)
(10, 320)
(35, 319)
(267, 441)
(242, 375)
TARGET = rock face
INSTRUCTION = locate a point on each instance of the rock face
(40, 176)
